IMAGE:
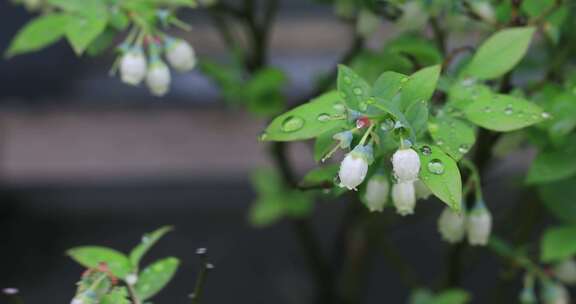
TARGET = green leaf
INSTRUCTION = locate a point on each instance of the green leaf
(504, 113)
(101, 43)
(388, 85)
(500, 53)
(553, 165)
(420, 86)
(320, 175)
(324, 143)
(155, 277)
(148, 240)
(93, 7)
(452, 135)
(558, 197)
(441, 175)
(308, 120)
(558, 244)
(83, 29)
(91, 256)
(452, 296)
(353, 88)
(462, 94)
(38, 33)
(118, 295)
(422, 50)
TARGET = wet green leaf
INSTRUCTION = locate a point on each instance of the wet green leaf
(92, 256)
(148, 240)
(454, 136)
(155, 277)
(82, 30)
(38, 33)
(354, 90)
(441, 175)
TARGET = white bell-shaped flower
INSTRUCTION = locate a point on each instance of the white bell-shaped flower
(452, 225)
(406, 165)
(479, 225)
(404, 197)
(354, 167)
(180, 55)
(133, 66)
(77, 301)
(555, 293)
(422, 191)
(377, 190)
(565, 271)
(158, 77)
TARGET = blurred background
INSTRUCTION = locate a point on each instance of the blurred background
(87, 160)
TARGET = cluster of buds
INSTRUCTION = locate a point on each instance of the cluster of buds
(406, 166)
(477, 225)
(135, 68)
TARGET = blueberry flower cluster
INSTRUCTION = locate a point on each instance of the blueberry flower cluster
(135, 67)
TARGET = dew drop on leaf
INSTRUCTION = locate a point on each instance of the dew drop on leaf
(440, 142)
(508, 110)
(323, 117)
(387, 124)
(358, 91)
(436, 166)
(545, 115)
(426, 150)
(339, 108)
(463, 148)
(292, 123)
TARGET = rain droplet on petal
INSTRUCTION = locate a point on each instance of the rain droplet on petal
(436, 166)
(292, 123)
(426, 150)
(323, 117)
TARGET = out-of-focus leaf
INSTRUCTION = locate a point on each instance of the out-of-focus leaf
(320, 175)
(558, 197)
(38, 33)
(500, 53)
(558, 244)
(554, 164)
(155, 277)
(92, 256)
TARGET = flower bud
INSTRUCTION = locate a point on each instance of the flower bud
(158, 77)
(422, 191)
(354, 167)
(555, 293)
(133, 66)
(404, 197)
(377, 190)
(180, 55)
(345, 139)
(565, 271)
(406, 164)
(452, 225)
(479, 225)
(131, 279)
(77, 301)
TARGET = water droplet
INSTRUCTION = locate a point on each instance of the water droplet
(263, 136)
(292, 123)
(436, 166)
(201, 251)
(439, 142)
(358, 91)
(426, 150)
(323, 117)
(545, 115)
(463, 148)
(387, 124)
(339, 108)
(508, 110)
(487, 109)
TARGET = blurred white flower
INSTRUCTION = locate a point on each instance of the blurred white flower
(555, 293)
(377, 190)
(158, 77)
(452, 225)
(406, 165)
(565, 271)
(133, 66)
(354, 167)
(404, 197)
(180, 55)
(422, 191)
(479, 225)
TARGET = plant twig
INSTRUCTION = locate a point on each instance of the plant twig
(205, 267)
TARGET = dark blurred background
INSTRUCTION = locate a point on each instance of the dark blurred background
(85, 159)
